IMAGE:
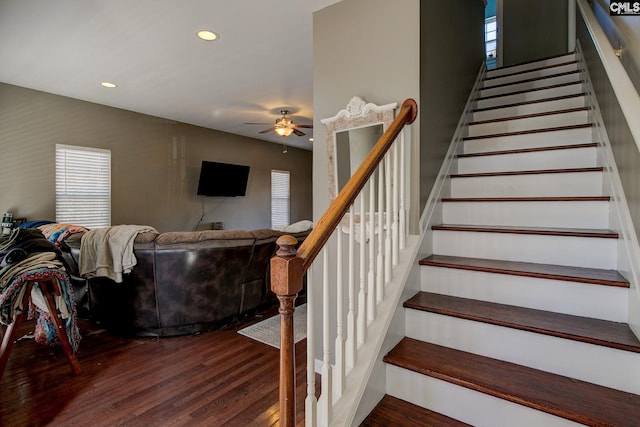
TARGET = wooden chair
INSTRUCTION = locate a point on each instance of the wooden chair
(49, 288)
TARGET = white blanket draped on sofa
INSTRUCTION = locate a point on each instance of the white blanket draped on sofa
(108, 251)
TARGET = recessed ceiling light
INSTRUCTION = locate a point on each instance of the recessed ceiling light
(207, 35)
(108, 84)
(310, 139)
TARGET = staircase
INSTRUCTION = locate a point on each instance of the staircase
(520, 316)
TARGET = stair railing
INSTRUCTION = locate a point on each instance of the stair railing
(377, 190)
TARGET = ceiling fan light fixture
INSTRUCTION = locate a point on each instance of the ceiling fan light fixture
(284, 130)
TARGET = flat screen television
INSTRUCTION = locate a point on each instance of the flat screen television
(222, 179)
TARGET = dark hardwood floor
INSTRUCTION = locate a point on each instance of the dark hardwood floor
(216, 378)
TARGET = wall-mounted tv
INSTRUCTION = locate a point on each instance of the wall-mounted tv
(222, 179)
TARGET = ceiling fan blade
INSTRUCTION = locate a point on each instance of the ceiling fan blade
(304, 126)
(297, 132)
(266, 130)
(263, 124)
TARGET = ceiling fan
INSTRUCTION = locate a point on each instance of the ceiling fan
(284, 126)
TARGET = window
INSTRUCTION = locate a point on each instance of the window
(490, 38)
(279, 198)
(83, 186)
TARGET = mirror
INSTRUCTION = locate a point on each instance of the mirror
(351, 134)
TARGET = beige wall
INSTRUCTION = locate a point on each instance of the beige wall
(368, 48)
(150, 185)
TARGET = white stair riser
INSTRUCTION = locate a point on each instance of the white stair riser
(578, 299)
(587, 362)
(537, 107)
(536, 185)
(529, 123)
(531, 65)
(533, 95)
(535, 84)
(563, 214)
(562, 250)
(530, 75)
(539, 160)
(529, 140)
(463, 404)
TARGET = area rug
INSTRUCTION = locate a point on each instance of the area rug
(268, 331)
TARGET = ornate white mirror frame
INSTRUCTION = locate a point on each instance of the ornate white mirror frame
(357, 115)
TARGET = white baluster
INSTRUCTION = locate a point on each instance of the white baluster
(351, 342)
(394, 227)
(388, 207)
(339, 371)
(362, 295)
(403, 191)
(380, 260)
(325, 403)
(371, 279)
(310, 403)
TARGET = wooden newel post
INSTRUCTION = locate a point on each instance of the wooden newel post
(286, 281)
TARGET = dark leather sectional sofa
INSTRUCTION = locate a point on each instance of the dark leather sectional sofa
(185, 282)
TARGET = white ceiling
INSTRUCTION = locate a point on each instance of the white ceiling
(261, 63)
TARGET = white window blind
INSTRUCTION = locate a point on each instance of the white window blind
(279, 198)
(83, 186)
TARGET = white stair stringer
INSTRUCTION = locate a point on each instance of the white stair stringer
(464, 404)
(559, 296)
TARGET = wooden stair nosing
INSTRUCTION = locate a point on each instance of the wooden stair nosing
(529, 116)
(533, 101)
(561, 64)
(585, 275)
(525, 132)
(536, 231)
(527, 150)
(535, 89)
(533, 79)
(583, 329)
(554, 394)
(529, 199)
(546, 58)
(527, 172)
(391, 411)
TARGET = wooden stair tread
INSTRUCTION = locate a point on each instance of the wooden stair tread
(528, 150)
(565, 397)
(527, 172)
(529, 269)
(533, 101)
(391, 411)
(525, 132)
(536, 89)
(584, 329)
(562, 64)
(544, 231)
(530, 115)
(532, 79)
(529, 199)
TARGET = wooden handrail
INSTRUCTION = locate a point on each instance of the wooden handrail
(289, 266)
